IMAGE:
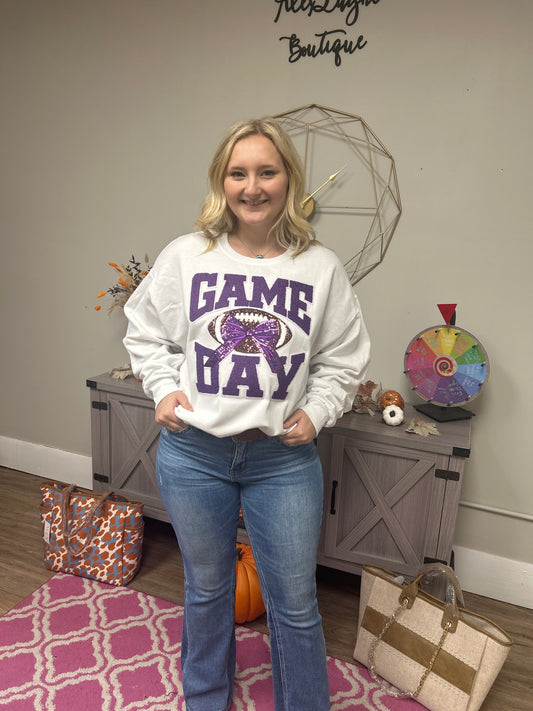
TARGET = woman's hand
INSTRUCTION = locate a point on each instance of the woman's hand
(165, 414)
(302, 430)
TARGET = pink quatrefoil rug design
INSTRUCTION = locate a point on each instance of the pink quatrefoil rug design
(79, 645)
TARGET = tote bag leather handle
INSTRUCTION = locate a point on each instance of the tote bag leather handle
(450, 616)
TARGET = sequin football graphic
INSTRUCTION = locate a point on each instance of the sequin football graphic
(249, 331)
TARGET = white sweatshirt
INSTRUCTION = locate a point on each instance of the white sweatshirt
(248, 341)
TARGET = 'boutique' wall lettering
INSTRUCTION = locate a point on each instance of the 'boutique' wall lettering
(336, 41)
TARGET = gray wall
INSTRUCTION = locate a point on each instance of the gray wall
(111, 111)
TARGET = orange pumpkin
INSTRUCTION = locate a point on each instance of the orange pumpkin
(391, 397)
(248, 600)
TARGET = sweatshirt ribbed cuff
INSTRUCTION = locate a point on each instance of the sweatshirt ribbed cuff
(161, 389)
(317, 414)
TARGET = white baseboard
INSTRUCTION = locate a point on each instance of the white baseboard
(493, 576)
(479, 572)
(46, 462)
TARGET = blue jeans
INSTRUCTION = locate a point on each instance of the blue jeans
(204, 481)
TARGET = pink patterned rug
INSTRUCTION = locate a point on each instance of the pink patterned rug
(79, 645)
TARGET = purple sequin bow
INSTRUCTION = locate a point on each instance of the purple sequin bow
(264, 335)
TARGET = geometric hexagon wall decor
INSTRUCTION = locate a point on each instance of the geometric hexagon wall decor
(355, 204)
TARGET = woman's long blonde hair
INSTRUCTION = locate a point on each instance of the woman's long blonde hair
(291, 229)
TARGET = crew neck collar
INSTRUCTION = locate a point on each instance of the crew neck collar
(223, 240)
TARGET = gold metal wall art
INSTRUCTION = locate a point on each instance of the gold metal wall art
(353, 200)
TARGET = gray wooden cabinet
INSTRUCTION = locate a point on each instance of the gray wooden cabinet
(124, 441)
(391, 498)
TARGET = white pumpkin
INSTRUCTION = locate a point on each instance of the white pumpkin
(393, 415)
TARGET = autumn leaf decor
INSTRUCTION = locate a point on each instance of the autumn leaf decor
(421, 427)
(130, 275)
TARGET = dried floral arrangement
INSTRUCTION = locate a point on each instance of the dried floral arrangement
(367, 398)
(130, 276)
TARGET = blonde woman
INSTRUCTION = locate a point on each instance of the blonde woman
(250, 340)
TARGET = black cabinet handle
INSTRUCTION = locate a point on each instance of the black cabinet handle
(334, 485)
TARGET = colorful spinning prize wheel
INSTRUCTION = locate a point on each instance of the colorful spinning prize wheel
(447, 367)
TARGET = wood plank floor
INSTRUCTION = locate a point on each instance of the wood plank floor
(22, 571)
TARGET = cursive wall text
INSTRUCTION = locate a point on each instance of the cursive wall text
(332, 41)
